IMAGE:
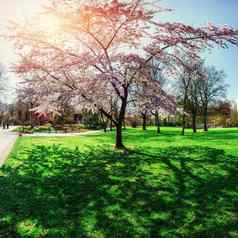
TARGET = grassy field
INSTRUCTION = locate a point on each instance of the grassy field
(168, 186)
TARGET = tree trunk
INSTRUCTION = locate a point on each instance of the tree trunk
(121, 118)
(184, 121)
(119, 144)
(111, 125)
(183, 124)
(205, 119)
(31, 116)
(194, 122)
(124, 124)
(158, 126)
(104, 122)
(104, 126)
(157, 122)
(184, 110)
(118, 120)
(144, 121)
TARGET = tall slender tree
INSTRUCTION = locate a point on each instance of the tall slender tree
(186, 88)
(194, 101)
(211, 88)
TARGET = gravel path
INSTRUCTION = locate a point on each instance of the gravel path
(7, 141)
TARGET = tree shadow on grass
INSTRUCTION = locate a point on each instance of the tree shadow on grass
(178, 192)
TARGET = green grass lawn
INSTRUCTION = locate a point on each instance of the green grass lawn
(226, 139)
(168, 186)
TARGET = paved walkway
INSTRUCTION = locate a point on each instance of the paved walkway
(42, 134)
(7, 141)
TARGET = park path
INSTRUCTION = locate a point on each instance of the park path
(42, 134)
(7, 141)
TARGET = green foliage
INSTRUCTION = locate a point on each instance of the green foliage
(70, 128)
(44, 128)
(93, 121)
(24, 129)
(48, 128)
(28, 129)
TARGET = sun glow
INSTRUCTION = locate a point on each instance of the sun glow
(48, 24)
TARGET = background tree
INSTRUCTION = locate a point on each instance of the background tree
(187, 85)
(142, 97)
(151, 98)
(194, 102)
(223, 109)
(211, 88)
(234, 114)
(160, 101)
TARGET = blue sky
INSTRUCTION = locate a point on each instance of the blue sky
(219, 12)
(195, 12)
